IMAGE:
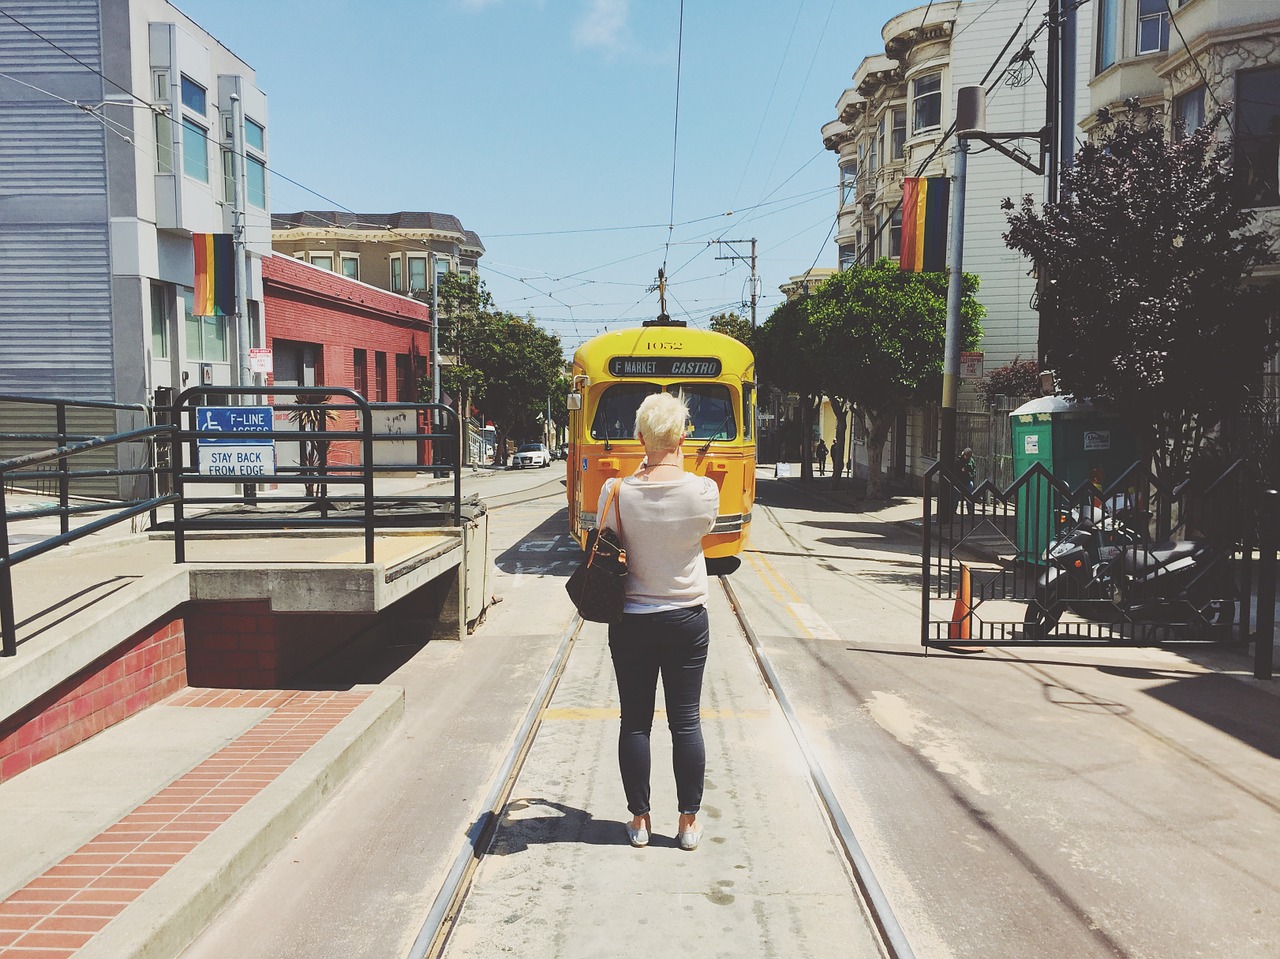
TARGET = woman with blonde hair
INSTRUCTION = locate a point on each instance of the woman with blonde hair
(665, 511)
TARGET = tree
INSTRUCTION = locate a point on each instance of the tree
(1019, 378)
(520, 365)
(461, 301)
(1148, 257)
(786, 353)
(879, 335)
(731, 324)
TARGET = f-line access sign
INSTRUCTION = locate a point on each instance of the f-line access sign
(237, 452)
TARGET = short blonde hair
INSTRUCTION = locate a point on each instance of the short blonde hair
(661, 418)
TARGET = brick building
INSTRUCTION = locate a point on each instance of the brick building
(327, 330)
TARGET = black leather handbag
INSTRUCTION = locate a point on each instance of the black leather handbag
(598, 587)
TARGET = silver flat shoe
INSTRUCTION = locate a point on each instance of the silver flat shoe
(637, 837)
(689, 840)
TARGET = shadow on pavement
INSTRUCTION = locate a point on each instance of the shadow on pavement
(1250, 715)
(546, 550)
(571, 825)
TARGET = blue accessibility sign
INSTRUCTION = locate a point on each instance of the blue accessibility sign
(239, 423)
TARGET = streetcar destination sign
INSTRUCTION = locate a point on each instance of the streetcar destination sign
(698, 366)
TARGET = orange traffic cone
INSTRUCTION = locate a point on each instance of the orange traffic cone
(962, 614)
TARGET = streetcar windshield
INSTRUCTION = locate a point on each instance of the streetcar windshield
(710, 411)
(616, 413)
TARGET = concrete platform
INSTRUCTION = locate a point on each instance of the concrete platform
(75, 605)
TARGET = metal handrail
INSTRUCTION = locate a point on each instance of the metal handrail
(179, 439)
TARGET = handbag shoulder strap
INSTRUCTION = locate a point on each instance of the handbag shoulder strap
(612, 500)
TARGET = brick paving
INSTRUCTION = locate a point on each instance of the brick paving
(58, 912)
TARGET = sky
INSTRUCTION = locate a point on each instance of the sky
(552, 129)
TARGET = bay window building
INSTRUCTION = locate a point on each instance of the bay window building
(894, 122)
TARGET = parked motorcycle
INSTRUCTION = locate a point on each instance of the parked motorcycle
(1101, 567)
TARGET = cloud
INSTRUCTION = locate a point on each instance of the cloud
(602, 24)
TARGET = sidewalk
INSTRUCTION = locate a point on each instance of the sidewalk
(127, 844)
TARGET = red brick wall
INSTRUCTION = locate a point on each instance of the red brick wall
(306, 304)
(143, 670)
(243, 645)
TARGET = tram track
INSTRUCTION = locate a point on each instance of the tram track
(433, 937)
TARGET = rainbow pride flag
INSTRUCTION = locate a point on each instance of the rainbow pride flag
(925, 202)
(215, 274)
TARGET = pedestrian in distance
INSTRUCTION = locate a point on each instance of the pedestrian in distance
(963, 473)
(664, 513)
(822, 458)
(837, 458)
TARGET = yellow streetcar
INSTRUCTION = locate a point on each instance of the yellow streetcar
(714, 373)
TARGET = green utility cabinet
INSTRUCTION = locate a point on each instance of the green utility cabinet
(1075, 443)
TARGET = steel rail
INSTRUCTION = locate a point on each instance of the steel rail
(891, 935)
(434, 934)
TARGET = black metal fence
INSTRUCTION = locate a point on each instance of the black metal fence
(329, 420)
(1136, 562)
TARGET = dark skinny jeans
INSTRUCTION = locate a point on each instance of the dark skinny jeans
(673, 643)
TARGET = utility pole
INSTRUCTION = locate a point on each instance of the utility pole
(751, 261)
(951, 356)
(246, 377)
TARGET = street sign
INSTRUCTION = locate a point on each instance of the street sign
(971, 366)
(234, 419)
(239, 452)
(220, 459)
(260, 360)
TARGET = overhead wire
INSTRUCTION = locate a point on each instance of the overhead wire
(675, 135)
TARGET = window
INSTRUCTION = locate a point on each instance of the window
(926, 102)
(397, 278)
(1153, 26)
(1257, 141)
(360, 370)
(254, 135)
(1189, 108)
(878, 237)
(380, 377)
(899, 133)
(711, 413)
(322, 260)
(615, 417)
(255, 182)
(417, 273)
(404, 378)
(895, 233)
(748, 410)
(880, 141)
(351, 267)
(849, 183)
(195, 151)
(1108, 33)
(206, 336)
(848, 256)
(193, 96)
(159, 321)
(872, 157)
(160, 84)
(228, 177)
(164, 143)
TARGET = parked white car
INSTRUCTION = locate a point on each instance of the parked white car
(531, 454)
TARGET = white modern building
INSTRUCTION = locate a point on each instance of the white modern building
(116, 134)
